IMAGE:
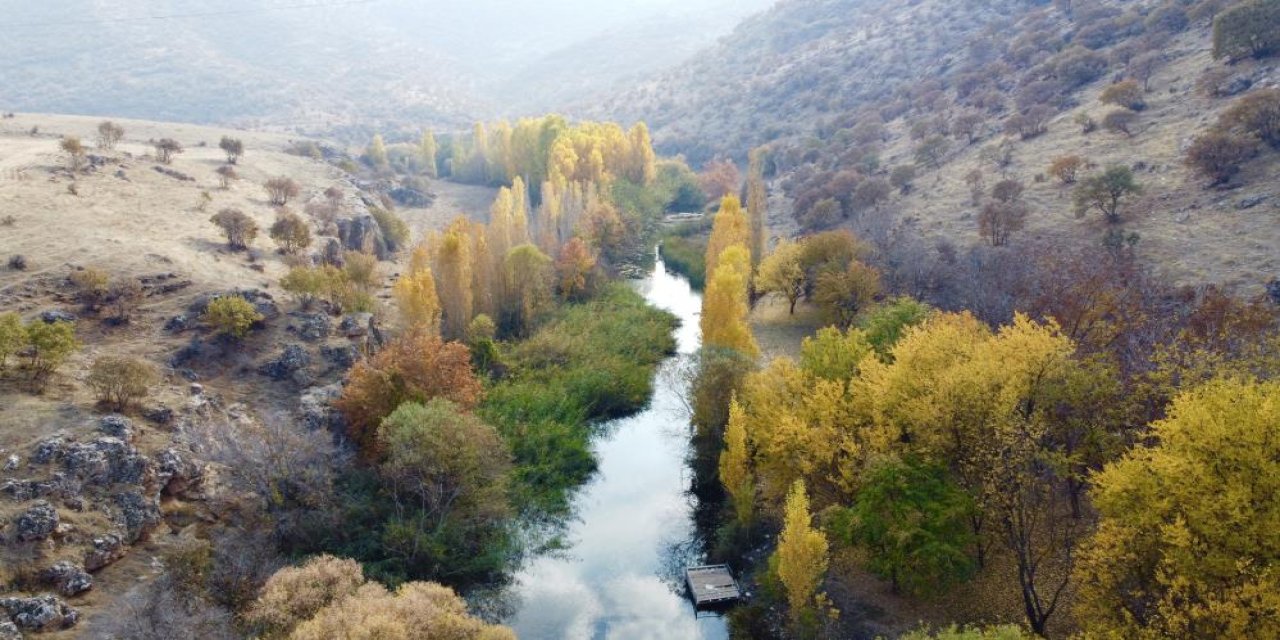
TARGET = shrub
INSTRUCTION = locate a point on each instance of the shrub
(123, 297)
(1078, 66)
(1106, 192)
(91, 285)
(167, 148)
(50, 345)
(231, 316)
(290, 232)
(931, 150)
(312, 283)
(1066, 168)
(75, 151)
(18, 262)
(233, 147)
(902, 177)
(1007, 190)
(226, 175)
(120, 381)
(1120, 121)
(394, 229)
(281, 189)
(1257, 113)
(1218, 156)
(109, 134)
(13, 336)
(999, 219)
(1087, 124)
(1031, 123)
(413, 368)
(237, 227)
(1126, 94)
(1248, 29)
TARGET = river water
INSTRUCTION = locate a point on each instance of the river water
(621, 575)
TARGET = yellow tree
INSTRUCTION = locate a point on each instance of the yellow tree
(519, 212)
(1187, 543)
(485, 274)
(377, 152)
(453, 266)
(427, 150)
(531, 277)
(783, 273)
(801, 561)
(735, 465)
(643, 159)
(728, 228)
(419, 305)
(725, 304)
(757, 204)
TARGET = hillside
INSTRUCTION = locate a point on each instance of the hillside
(843, 91)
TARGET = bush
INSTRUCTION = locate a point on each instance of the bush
(1031, 123)
(167, 148)
(1078, 66)
(1120, 121)
(281, 189)
(1169, 19)
(1066, 168)
(123, 297)
(91, 286)
(902, 177)
(1257, 113)
(120, 381)
(233, 147)
(394, 229)
(109, 134)
(1249, 29)
(1218, 156)
(1106, 192)
(1127, 94)
(13, 336)
(18, 262)
(231, 316)
(226, 175)
(75, 151)
(50, 345)
(237, 227)
(931, 150)
(290, 232)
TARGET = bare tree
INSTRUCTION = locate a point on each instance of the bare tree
(281, 190)
(109, 134)
(167, 148)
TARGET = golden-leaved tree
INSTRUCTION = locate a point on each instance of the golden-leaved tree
(729, 227)
(801, 563)
(735, 465)
(725, 304)
(415, 294)
(1187, 543)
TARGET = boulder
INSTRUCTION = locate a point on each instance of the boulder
(137, 514)
(362, 233)
(68, 578)
(342, 356)
(178, 323)
(117, 426)
(107, 460)
(292, 360)
(315, 408)
(9, 631)
(313, 327)
(57, 315)
(356, 325)
(332, 252)
(1273, 290)
(36, 523)
(39, 613)
(177, 473)
(106, 550)
(12, 462)
(50, 449)
(1250, 202)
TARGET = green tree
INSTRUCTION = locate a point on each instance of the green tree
(884, 325)
(1106, 192)
(233, 147)
(427, 150)
(834, 355)
(231, 316)
(50, 345)
(1250, 28)
(915, 525)
(237, 227)
(846, 292)
(13, 336)
(290, 232)
(532, 278)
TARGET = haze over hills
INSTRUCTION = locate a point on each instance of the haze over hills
(335, 67)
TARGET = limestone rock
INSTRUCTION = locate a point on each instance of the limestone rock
(57, 315)
(292, 360)
(70, 579)
(117, 426)
(36, 523)
(137, 514)
(40, 613)
(106, 549)
(177, 473)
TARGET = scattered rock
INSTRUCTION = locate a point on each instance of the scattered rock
(159, 415)
(69, 579)
(176, 175)
(36, 523)
(362, 233)
(117, 426)
(1250, 202)
(49, 449)
(1236, 85)
(57, 315)
(105, 461)
(11, 463)
(9, 631)
(1273, 290)
(176, 473)
(313, 327)
(356, 325)
(138, 515)
(106, 549)
(410, 197)
(40, 613)
(291, 361)
(315, 408)
(178, 323)
(262, 302)
(343, 357)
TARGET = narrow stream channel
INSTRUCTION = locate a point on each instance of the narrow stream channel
(621, 575)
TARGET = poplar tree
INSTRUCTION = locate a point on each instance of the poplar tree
(427, 150)
(801, 559)
(419, 305)
(725, 304)
(377, 152)
(757, 205)
(454, 265)
(735, 465)
(729, 227)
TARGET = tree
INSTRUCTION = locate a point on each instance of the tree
(1030, 123)
(454, 271)
(844, 293)
(968, 125)
(801, 559)
(729, 227)
(757, 206)
(832, 354)
(122, 299)
(902, 176)
(416, 367)
(233, 147)
(290, 232)
(531, 275)
(231, 317)
(415, 294)
(1126, 93)
(1248, 29)
(1218, 156)
(1066, 168)
(884, 325)
(120, 381)
(109, 135)
(281, 190)
(575, 267)
(1257, 113)
(782, 272)
(914, 523)
(1186, 543)
(1120, 121)
(735, 466)
(931, 150)
(427, 151)
(75, 151)
(226, 175)
(871, 192)
(1007, 191)
(167, 148)
(725, 304)
(237, 227)
(13, 336)
(719, 178)
(999, 219)
(1106, 192)
(1144, 66)
(312, 283)
(49, 346)
(376, 153)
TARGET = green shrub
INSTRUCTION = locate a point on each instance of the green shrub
(231, 316)
(687, 257)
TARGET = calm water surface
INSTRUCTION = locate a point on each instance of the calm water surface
(622, 573)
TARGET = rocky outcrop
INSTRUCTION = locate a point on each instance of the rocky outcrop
(39, 613)
(57, 315)
(106, 549)
(9, 631)
(292, 364)
(177, 474)
(362, 233)
(315, 408)
(68, 578)
(136, 514)
(311, 327)
(117, 426)
(36, 523)
(262, 302)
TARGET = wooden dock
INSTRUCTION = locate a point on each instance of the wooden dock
(712, 585)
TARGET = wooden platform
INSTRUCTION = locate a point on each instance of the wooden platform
(712, 585)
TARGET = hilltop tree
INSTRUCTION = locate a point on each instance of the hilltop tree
(166, 149)
(801, 560)
(75, 151)
(109, 135)
(1106, 192)
(237, 227)
(1186, 543)
(282, 189)
(290, 232)
(1218, 156)
(233, 147)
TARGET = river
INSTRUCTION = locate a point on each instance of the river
(621, 575)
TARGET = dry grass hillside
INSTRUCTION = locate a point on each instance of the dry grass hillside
(127, 219)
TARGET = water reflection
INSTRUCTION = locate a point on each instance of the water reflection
(621, 574)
